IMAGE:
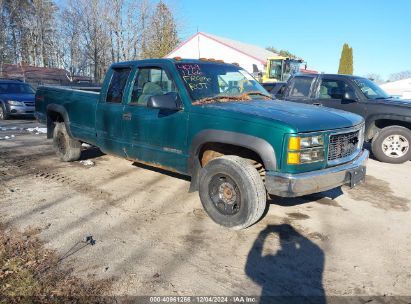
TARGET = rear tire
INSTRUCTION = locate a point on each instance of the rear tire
(232, 192)
(3, 113)
(392, 145)
(66, 148)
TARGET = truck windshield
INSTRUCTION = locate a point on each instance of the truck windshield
(282, 70)
(276, 67)
(370, 89)
(208, 81)
(15, 88)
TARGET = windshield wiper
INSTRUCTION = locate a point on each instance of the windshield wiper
(258, 93)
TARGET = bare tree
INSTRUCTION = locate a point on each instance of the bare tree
(375, 77)
(400, 75)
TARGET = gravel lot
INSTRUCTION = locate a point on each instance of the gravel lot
(153, 237)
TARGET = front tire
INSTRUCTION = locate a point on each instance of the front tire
(3, 113)
(66, 148)
(392, 145)
(232, 192)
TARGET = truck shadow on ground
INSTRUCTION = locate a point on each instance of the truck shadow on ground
(325, 198)
(292, 274)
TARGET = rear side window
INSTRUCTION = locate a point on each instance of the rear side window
(332, 89)
(301, 87)
(117, 85)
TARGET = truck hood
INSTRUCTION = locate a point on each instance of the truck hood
(393, 102)
(17, 97)
(300, 117)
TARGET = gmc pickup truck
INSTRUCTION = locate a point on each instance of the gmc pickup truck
(387, 120)
(211, 121)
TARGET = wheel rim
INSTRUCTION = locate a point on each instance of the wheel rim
(61, 143)
(224, 194)
(395, 146)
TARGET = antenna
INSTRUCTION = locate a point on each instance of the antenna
(198, 43)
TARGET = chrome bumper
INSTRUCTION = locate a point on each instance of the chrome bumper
(21, 110)
(292, 185)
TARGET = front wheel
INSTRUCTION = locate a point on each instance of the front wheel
(392, 145)
(66, 148)
(232, 192)
(3, 113)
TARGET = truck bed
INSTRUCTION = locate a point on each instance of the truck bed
(80, 106)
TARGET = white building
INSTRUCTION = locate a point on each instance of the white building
(203, 45)
(400, 88)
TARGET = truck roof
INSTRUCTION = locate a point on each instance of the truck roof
(329, 75)
(172, 60)
(4, 80)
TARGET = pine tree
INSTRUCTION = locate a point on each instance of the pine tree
(346, 60)
(163, 36)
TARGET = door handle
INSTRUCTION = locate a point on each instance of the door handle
(317, 104)
(126, 116)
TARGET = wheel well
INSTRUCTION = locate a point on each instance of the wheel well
(52, 118)
(382, 123)
(55, 116)
(212, 150)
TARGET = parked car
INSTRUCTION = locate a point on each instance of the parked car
(16, 98)
(387, 119)
(211, 121)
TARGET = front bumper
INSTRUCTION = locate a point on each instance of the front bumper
(20, 110)
(292, 185)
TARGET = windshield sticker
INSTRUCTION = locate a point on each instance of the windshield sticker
(194, 77)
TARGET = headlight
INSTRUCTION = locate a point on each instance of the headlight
(305, 149)
(15, 103)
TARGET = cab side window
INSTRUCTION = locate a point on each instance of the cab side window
(117, 85)
(301, 87)
(149, 82)
(332, 89)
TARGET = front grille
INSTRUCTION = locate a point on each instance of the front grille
(343, 145)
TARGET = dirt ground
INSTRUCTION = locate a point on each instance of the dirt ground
(153, 237)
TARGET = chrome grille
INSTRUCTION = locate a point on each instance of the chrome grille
(343, 145)
(29, 103)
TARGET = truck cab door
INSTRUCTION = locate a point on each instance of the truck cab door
(339, 94)
(109, 111)
(300, 88)
(153, 135)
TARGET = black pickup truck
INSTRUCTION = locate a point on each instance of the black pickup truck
(387, 120)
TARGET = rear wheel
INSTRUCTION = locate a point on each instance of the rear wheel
(392, 145)
(3, 113)
(232, 192)
(66, 148)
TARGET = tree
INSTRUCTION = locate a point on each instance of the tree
(346, 60)
(400, 75)
(163, 37)
(281, 52)
(375, 77)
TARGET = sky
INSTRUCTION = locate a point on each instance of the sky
(379, 31)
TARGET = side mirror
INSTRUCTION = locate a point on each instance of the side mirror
(169, 101)
(349, 95)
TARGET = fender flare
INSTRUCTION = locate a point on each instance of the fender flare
(256, 144)
(63, 112)
(370, 121)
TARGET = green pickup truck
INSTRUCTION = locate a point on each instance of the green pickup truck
(211, 121)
